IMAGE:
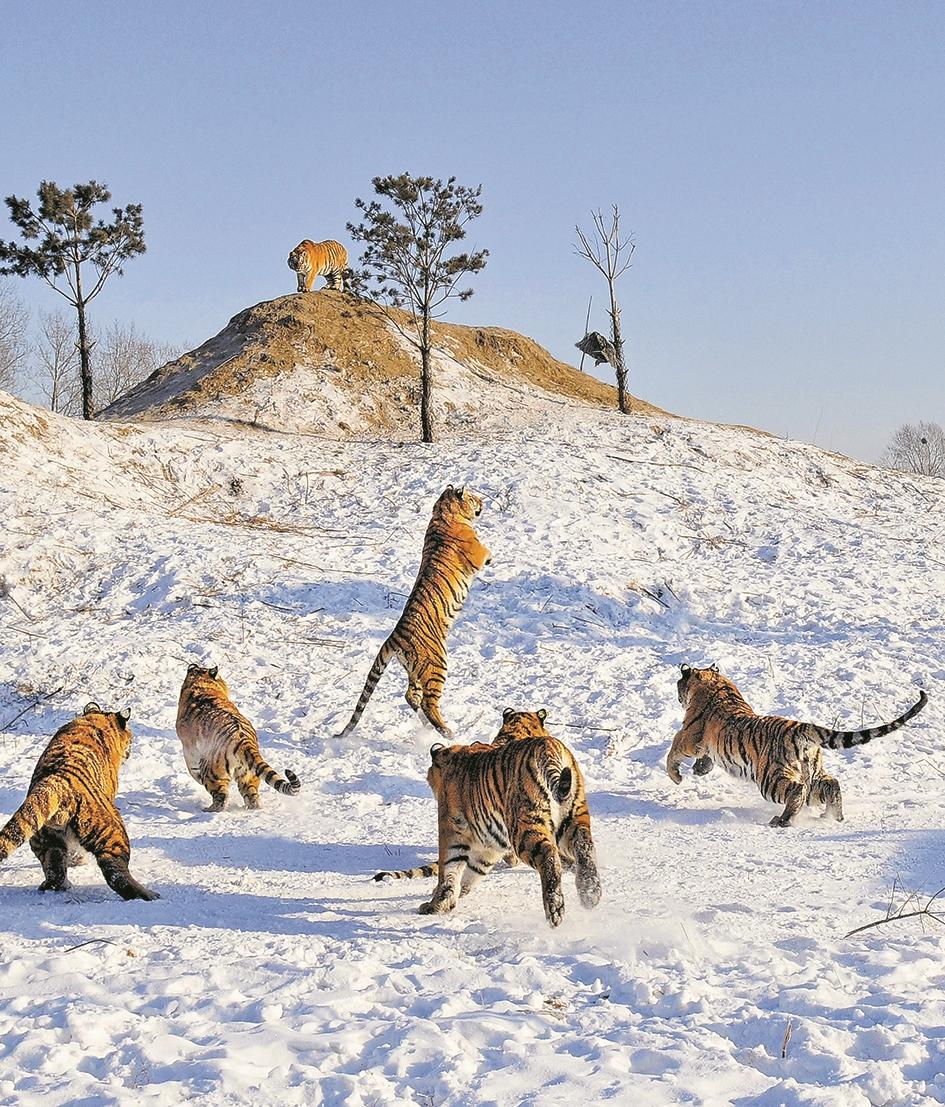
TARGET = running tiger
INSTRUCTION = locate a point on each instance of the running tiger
(70, 806)
(515, 724)
(781, 756)
(219, 742)
(452, 555)
(524, 795)
(319, 259)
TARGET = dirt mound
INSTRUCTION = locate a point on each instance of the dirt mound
(330, 363)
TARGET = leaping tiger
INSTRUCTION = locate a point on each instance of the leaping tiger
(782, 756)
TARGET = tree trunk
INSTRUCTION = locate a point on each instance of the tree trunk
(426, 389)
(620, 368)
(85, 351)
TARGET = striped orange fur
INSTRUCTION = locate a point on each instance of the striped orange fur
(782, 756)
(221, 744)
(70, 806)
(515, 725)
(525, 795)
(327, 259)
(452, 555)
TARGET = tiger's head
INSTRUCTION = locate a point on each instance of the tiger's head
(521, 724)
(457, 503)
(692, 680)
(117, 726)
(298, 259)
(198, 676)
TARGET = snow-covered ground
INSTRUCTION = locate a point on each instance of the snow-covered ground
(273, 970)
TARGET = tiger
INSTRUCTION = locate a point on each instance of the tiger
(452, 555)
(515, 724)
(319, 259)
(219, 742)
(782, 756)
(525, 795)
(70, 805)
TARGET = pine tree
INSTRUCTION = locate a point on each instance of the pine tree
(407, 235)
(68, 237)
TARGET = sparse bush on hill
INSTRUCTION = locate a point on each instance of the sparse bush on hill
(405, 263)
(917, 448)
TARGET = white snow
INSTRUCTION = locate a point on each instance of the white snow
(273, 970)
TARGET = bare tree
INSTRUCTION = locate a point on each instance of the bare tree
(55, 370)
(612, 256)
(917, 448)
(14, 345)
(125, 357)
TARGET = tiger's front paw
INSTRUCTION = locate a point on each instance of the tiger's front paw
(674, 774)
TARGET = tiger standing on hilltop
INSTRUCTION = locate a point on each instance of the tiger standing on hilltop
(220, 743)
(327, 259)
(782, 756)
(70, 805)
(525, 796)
(515, 725)
(452, 555)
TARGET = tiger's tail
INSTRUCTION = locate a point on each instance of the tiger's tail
(559, 779)
(289, 785)
(37, 809)
(844, 739)
(406, 874)
(381, 662)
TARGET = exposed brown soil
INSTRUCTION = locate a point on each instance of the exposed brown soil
(352, 361)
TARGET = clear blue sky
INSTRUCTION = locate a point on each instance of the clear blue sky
(782, 166)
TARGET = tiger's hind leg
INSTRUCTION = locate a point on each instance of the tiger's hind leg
(217, 783)
(101, 830)
(414, 693)
(576, 847)
(793, 795)
(248, 785)
(826, 790)
(52, 852)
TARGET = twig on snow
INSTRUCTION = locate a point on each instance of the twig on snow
(29, 707)
(902, 913)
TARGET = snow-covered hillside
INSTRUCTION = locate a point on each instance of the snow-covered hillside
(273, 970)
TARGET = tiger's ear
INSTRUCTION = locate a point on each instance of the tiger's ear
(192, 666)
(507, 712)
(92, 708)
(713, 668)
(213, 672)
(542, 714)
(685, 669)
(435, 749)
(461, 492)
(123, 716)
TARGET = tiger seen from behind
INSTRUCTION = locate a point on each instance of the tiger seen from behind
(525, 796)
(70, 805)
(220, 744)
